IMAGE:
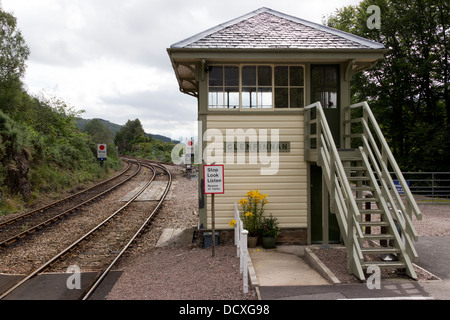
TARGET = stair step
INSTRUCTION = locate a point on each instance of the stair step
(367, 199)
(384, 264)
(363, 188)
(358, 178)
(383, 236)
(371, 211)
(350, 155)
(355, 168)
(374, 224)
(380, 250)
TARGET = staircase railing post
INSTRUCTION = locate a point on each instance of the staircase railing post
(245, 262)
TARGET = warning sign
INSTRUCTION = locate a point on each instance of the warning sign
(213, 176)
(101, 151)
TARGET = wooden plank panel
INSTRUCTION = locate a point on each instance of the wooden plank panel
(287, 189)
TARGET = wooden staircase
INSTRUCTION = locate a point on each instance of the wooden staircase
(381, 241)
(374, 220)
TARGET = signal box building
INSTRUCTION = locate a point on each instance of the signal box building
(280, 85)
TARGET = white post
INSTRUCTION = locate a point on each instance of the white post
(241, 246)
(244, 256)
(237, 234)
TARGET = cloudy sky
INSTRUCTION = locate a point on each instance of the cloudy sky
(109, 58)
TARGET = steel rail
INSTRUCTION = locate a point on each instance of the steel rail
(103, 275)
(51, 205)
(62, 214)
(64, 252)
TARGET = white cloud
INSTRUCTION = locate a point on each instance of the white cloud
(109, 56)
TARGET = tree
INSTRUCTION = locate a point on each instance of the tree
(129, 135)
(98, 131)
(13, 55)
(408, 89)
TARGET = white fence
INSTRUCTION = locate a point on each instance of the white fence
(240, 240)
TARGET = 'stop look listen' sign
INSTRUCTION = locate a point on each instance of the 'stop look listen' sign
(213, 176)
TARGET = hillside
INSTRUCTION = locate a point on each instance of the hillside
(81, 124)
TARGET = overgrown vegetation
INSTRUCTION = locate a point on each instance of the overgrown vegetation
(132, 140)
(41, 150)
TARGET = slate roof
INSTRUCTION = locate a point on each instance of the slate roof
(269, 29)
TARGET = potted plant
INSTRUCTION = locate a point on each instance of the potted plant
(270, 231)
(252, 215)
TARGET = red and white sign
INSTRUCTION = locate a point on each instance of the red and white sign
(190, 147)
(213, 176)
(101, 151)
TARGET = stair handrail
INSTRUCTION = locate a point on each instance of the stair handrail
(345, 205)
(384, 156)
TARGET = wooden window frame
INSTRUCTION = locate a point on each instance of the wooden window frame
(240, 67)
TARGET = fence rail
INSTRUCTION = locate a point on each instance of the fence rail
(429, 187)
(240, 240)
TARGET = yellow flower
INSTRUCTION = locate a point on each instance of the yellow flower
(248, 214)
(243, 202)
(233, 223)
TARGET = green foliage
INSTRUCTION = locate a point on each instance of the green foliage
(41, 149)
(129, 135)
(98, 131)
(409, 88)
(13, 50)
(154, 150)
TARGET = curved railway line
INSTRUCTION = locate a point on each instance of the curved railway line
(25, 224)
(100, 248)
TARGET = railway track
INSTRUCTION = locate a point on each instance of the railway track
(101, 248)
(20, 226)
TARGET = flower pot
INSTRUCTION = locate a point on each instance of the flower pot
(269, 242)
(251, 241)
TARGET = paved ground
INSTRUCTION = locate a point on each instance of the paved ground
(434, 257)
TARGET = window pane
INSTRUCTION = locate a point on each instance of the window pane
(281, 98)
(248, 97)
(264, 76)
(231, 76)
(232, 97)
(325, 85)
(327, 98)
(317, 77)
(216, 76)
(296, 76)
(296, 98)
(215, 98)
(331, 77)
(281, 76)
(265, 98)
(249, 76)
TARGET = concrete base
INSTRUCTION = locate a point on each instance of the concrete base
(53, 286)
(283, 266)
(175, 237)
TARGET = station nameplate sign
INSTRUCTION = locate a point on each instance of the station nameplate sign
(282, 146)
(213, 176)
